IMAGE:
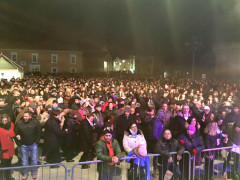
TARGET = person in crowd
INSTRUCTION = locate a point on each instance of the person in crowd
(178, 125)
(165, 115)
(107, 150)
(193, 121)
(134, 138)
(210, 143)
(186, 112)
(70, 139)
(87, 141)
(28, 134)
(98, 119)
(193, 143)
(6, 144)
(168, 161)
(148, 129)
(53, 137)
(123, 122)
(196, 110)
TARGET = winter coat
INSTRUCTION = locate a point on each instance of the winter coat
(164, 147)
(103, 154)
(236, 134)
(30, 132)
(87, 131)
(122, 124)
(53, 133)
(192, 142)
(6, 141)
(130, 142)
(69, 124)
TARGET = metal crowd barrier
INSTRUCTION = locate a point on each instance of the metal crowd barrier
(83, 170)
(218, 163)
(45, 172)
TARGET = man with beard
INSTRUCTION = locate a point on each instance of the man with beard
(28, 133)
(107, 150)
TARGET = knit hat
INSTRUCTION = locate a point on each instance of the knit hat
(140, 151)
(191, 128)
(107, 130)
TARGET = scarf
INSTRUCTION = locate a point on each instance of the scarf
(110, 149)
(134, 134)
(6, 126)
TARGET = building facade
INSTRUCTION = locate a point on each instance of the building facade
(227, 59)
(46, 61)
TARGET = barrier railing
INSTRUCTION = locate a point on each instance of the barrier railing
(123, 169)
(45, 171)
(218, 163)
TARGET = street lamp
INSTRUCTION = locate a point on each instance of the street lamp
(194, 46)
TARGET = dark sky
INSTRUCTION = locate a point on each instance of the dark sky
(146, 27)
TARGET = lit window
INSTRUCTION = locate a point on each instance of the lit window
(73, 59)
(54, 58)
(34, 57)
(14, 56)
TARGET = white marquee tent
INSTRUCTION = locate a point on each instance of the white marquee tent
(9, 69)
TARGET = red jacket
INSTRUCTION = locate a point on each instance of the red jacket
(6, 141)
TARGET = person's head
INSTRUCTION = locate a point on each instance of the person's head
(164, 106)
(27, 116)
(219, 121)
(17, 100)
(167, 134)
(107, 133)
(133, 127)
(191, 129)
(90, 116)
(198, 104)
(127, 111)
(44, 113)
(98, 107)
(55, 104)
(212, 129)
(192, 121)
(185, 109)
(151, 110)
(206, 109)
(5, 119)
(56, 114)
(110, 105)
(211, 116)
(235, 109)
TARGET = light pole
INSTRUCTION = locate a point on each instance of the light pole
(194, 46)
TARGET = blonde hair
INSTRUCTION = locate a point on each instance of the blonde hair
(211, 129)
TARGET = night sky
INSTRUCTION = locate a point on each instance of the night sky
(141, 27)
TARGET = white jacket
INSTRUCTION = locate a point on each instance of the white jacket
(130, 142)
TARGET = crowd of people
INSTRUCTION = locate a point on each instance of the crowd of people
(104, 115)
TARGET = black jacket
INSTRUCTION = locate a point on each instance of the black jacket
(53, 133)
(122, 124)
(30, 132)
(164, 147)
(87, 131)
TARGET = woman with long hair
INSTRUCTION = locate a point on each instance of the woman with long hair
(6, 143)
